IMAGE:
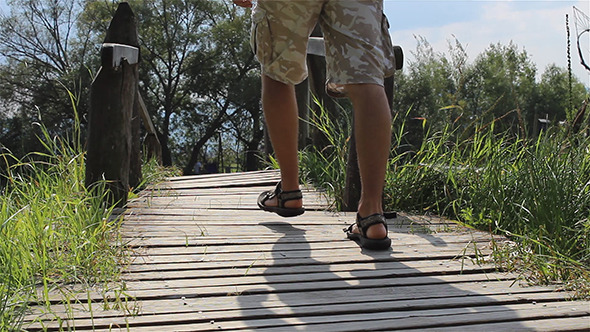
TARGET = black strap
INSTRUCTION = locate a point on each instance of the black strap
(363, 224)
(285, 196)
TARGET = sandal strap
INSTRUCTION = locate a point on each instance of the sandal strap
(290, 195)
(363, 224)
(285, 196)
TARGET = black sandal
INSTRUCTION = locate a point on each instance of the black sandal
(363, 225)
(282, 197)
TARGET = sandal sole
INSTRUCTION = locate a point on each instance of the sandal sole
(370, 244)
(283, 212)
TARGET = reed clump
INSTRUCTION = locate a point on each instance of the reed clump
(536, 192)
(53, 230)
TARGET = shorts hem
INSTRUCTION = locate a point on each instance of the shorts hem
(282, 79)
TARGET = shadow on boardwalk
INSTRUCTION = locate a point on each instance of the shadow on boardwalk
(373, 291)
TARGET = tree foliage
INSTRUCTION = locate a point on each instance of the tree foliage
(196, 66)
(201, 83)
(197, 71)
(499, 86)
(43, 69)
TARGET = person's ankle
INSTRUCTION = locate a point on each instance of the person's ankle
(367, 212)
(294, 204)
(369, 206)
(377, 231)
(290, 187)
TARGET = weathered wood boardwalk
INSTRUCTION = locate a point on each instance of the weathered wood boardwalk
(206, 259)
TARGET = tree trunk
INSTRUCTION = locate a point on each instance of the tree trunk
(210, 132)
(166, 153)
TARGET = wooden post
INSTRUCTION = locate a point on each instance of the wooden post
(135, 175)
(352, 186)
(316, 64)
(302, 96)
(151, 143)
(112, 103)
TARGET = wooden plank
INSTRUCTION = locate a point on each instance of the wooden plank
(204, 253)
(266, 174)
(326, 296)
(184, 312)
(416, 295)
(194, 289)
(264, 261)
(426, 267)
(250, 245)
(248, 215)
(230, 192)
(301, 257)
(402, 252)
(548, 324)
(370, 317)
(247, 279)
(227, 217)
(245, 265)
(300, 227)
(215, 183)
(204, 235)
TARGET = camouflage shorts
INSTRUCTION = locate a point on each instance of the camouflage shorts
(358, 45)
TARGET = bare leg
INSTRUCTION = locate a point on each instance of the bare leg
(373, 140)
(282, 119)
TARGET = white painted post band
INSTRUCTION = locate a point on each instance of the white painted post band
(118, 53)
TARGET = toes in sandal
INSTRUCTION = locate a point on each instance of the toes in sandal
(282, 197)
(363, 225)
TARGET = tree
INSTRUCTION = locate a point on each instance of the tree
(234, 88)
(195, 60)
(44, 69)
(427, 85)
(194, 55)
(501, 84)
(553, 100)
(430, 92)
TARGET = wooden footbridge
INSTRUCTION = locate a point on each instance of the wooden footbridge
(206, 259)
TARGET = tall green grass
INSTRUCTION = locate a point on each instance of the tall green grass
(326, 166)
(53, 230)
(536, 192)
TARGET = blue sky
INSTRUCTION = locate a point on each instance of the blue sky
(538, 27)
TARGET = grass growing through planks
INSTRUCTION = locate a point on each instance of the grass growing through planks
(326, 166)
(536, 192)
(53, 230)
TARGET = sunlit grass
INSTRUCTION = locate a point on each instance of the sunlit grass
(534, 191)
(53, 230)
(326, 166)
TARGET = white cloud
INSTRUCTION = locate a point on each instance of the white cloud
(541, 32)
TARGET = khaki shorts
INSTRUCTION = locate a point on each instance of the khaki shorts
(358, 45)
